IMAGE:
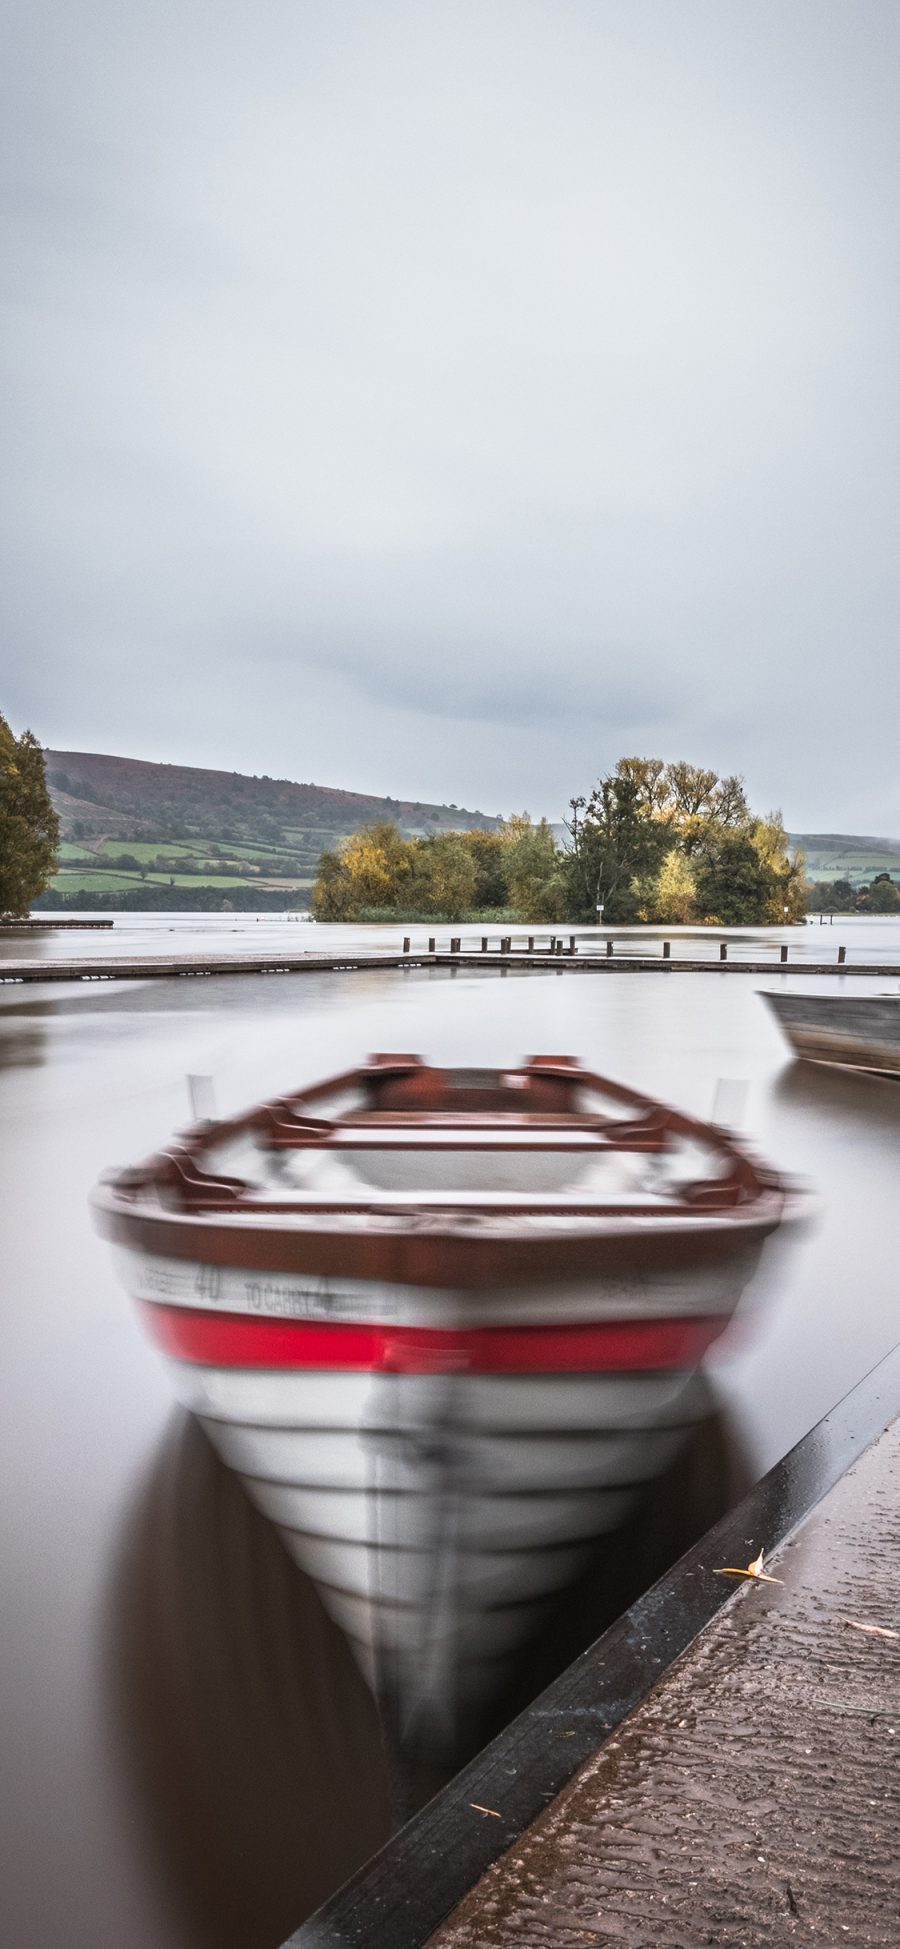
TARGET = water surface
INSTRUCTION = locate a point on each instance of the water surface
(189, 1754)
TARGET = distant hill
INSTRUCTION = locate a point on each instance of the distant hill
(856, 857)
(140, 834)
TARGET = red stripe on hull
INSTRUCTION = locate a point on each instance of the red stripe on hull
(236, 1340)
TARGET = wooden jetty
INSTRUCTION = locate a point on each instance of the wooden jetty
(721, 1766)
(558, 953)
(34, 924)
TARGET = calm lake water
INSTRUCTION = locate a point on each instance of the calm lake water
(189, 1755)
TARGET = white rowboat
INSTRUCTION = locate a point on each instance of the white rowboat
(446, 1325)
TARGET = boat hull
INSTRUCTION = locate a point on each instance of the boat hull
(446, 1326)
(844, 1031)
(441, 1463)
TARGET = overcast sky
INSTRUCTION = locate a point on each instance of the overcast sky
(444, 399)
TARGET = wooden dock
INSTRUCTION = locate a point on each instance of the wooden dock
(35, 925)
(559, 955)
(720, 1767)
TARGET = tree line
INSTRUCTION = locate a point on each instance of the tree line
(659, 842)
(376, 873)
(653, 842)
(879, 896)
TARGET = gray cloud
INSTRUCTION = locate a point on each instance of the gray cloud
(440, 398)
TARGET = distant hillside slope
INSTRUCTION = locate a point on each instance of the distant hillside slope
(856, 857)
(136, 833)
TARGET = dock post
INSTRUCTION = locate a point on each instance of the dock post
(484, 943)
(571, 943)
(667, 950)
(506, 944)
(609, 949)
(783, 952)
(531, 943)
(454, 943)
(842, 956)
(406, 943)
(431, 943)
(723, 950)
(559, 945)
(553, 944)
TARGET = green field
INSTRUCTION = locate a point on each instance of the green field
(147, 849)
(68, 879)
(87, 882)
(199, 853)
(856, 857)
(193, 879)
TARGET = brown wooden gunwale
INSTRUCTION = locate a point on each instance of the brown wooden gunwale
(439, 1256)
(450, 1206)
(432, 1242)
(201, 1138)
(428, 1138)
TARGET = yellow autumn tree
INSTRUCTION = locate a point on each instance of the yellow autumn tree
(444, 876)
(787, 871)
(674, 895)
(377, 860)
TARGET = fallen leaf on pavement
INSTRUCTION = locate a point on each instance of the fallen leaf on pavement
(754, 1571)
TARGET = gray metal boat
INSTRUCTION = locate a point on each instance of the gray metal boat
(849, 1031)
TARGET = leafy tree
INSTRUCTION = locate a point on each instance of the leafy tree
(536, 887)
(788, 896)
(445, 876)
(617, 840)
(378, 861)
(29, 828)
(662, 841)
(649, 776)
(831, 897)
(729, 801)
(675, 892)
(489, 857)
(737, 886)
(883, 896)
(333, 896)
(692, 789)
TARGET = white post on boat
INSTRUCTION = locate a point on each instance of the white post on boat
(202, 1098)
(729, 1102)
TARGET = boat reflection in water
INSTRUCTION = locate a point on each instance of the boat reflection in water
(249, 1735)
(446, 1326)
(250, 1740)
